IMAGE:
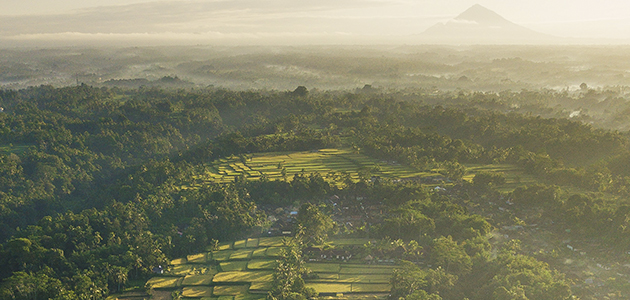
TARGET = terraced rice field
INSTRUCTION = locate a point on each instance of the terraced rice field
(321, 161)
(243, 270)
(514, 176)
(338, 161)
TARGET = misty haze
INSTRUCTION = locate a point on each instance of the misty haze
(292, 150)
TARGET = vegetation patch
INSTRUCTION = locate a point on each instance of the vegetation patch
(274, 251)
(514, 176)
(197, 280)
(15, 149)
(323, 267)
(275, 241)
(365, 278)
(371, 288)
(324, 161)
(259, 252)
(178, 261)
(252, 243)
(260, 286)
(222, 255)
(330, 287)
(327, 276)
(229, 266)
(197, 291)
(365, 270)
(242, 254)
(230, 290)
(246, 276)
(165, 282)
(240, 244)
(181, 270)
(349, 242)
(262, 264)
(197, 258)
(225, 246)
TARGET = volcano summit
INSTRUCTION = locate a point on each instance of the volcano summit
(479, 25)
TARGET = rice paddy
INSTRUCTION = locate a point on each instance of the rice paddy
(331, 164)
(324, 162)
(197, 292)
(514, 176)
(197, 280)
(229, 266)
(243, 270)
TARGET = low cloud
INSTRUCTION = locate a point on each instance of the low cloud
(175, 38)
(233, 21)
(181, 16)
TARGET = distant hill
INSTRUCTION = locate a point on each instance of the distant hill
(479, 25)
(166, 81)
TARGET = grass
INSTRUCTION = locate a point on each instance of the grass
(17, 149)
(164, 282)
(323, 267)
(181, 270)
(229, 266)
(197, 280)
(230, 290)
(365, 270)
(327, 277)
(371, 288)
(365, 278)
(197, 258)
(514, 176)
(252, 243)
(260, 286)
(240, 244)
(331, 287)
(197, 291)
(178, 261)
(348, 242)
(242, 277)
(222, 255)
(275, 241)
(191, 269)
(225, 246)
(259, 253)
(273, 251)
(262, 264)
(336, 161)
(241, 254)
(323, 162)
(248, 265)
(248, 296)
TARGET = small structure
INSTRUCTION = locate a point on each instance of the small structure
(158, 270)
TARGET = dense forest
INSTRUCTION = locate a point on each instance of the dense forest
(95, 184)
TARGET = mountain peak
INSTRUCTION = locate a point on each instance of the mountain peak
(479, 25)
(482, 15)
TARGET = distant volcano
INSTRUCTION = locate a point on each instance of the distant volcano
(479, 25)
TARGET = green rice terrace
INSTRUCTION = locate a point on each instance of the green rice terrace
(281, 165)
(243, 270)
(323, 161)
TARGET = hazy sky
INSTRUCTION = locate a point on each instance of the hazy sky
(293, 20)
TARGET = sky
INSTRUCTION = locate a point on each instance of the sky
(291, 21)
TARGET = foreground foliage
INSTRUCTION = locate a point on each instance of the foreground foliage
(100, 185)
